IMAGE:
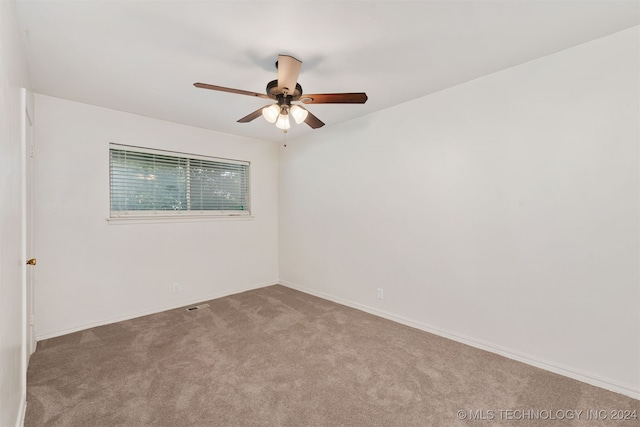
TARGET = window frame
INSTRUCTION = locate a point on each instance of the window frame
(134, 216)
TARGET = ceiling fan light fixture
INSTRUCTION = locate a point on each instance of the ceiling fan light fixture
(299, 114)
(283, 122)
(271, 113)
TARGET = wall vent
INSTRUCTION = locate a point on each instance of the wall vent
(197, 307)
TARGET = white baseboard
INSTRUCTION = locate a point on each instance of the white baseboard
(205, 297)
(483, 345)
(22, 413)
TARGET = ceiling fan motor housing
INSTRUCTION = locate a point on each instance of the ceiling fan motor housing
(273, 92)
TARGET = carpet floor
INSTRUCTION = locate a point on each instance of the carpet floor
(278, 357)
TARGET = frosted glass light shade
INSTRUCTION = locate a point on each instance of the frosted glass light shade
(299, 114)
(283, 122)
(271, 113)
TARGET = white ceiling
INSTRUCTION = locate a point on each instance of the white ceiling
(144, 56)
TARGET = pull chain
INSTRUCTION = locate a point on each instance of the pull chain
(284, 138)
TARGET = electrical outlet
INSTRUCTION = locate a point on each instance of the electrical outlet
(176, 288)
(380, 293)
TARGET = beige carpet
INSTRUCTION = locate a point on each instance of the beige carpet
(278, 357)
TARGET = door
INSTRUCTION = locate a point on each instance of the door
(29, 235)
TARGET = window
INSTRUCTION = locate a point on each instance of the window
(152, 183)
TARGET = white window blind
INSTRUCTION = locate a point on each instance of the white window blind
(158, 183)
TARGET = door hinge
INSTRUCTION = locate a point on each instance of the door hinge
(31, 320)
(32, 151)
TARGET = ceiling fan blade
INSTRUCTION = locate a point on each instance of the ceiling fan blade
(230, 90)
(252, 116)
(288, 72)
(334, 98)
(312, 120)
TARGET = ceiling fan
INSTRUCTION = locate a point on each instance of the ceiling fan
(286, 90)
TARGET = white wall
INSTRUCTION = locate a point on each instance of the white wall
(13, 76)
(502, 212)
(93, 272)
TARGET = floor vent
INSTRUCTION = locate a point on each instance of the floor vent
(197, 307)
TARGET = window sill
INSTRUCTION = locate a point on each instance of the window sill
(175, 218)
